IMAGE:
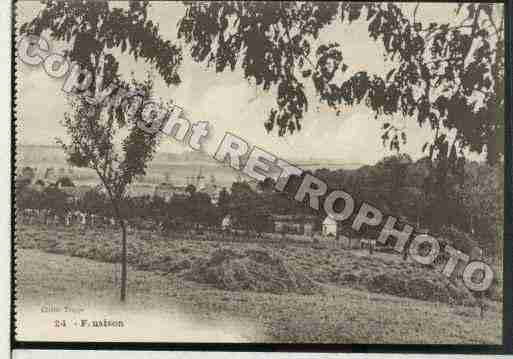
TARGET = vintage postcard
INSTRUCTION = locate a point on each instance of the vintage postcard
(259, 172)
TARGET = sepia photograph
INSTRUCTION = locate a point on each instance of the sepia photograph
(259, 172)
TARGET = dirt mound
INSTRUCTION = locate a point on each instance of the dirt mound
(255, 270)
(429, 286)
(419, 288)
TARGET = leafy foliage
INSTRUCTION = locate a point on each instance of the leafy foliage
(448, 76)
(95, 29)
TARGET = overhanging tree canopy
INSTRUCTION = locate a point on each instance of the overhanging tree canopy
(449, 76)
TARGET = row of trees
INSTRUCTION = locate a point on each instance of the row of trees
(466, 201)
(467, 205)
(192, 210)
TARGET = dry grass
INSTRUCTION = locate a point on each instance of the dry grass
(340, 315)
(380, 273)
(254, 270)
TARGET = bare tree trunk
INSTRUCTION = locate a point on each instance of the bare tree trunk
(122, 224)
(123, 260)
(115, 201)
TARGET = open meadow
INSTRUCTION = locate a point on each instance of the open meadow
(256, 292)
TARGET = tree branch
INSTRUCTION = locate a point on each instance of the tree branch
(492, 22)
(415, 13)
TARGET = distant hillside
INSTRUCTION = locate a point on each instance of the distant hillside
(34, 154)
(178, 168)
(54, 154)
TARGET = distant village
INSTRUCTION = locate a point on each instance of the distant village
(298, 226)
(63, 178)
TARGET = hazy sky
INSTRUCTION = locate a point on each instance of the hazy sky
(224, 99)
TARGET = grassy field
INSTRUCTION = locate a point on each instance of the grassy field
(345, 311)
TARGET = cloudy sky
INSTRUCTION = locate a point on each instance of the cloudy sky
(230, 103)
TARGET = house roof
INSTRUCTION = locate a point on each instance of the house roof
(291, 217)
(78, 191)
(168, 188)
(329, 220)
(210, 189)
